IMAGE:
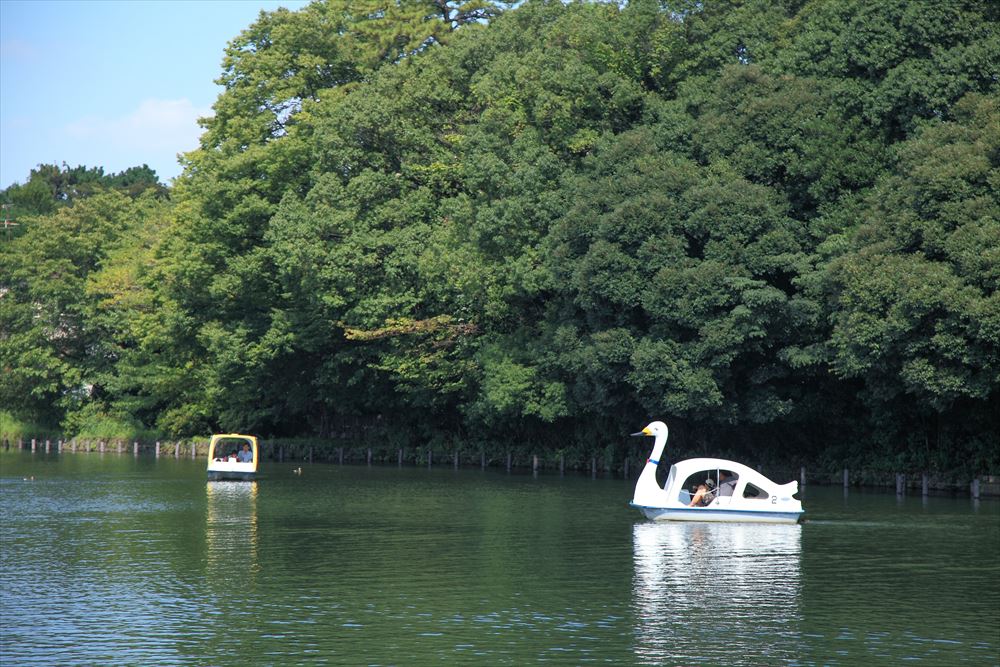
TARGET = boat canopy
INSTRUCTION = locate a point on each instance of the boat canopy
(222, 441)
(745, 475)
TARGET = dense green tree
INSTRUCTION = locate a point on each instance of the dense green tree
(917, 311)
(772, 223)
(892, 63)
(51, 186)
(52, 357)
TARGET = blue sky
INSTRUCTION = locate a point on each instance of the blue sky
(111, 83)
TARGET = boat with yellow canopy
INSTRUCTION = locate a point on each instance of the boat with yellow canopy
(233, 456)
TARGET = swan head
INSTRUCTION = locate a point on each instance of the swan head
(654, 429)
(648, 477)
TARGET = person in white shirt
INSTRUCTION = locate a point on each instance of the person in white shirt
(246, 456)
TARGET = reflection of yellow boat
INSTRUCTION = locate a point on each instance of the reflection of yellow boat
(232, 456)
(231, 534)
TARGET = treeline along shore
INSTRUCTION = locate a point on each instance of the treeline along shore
(622, 464)
(772, 224)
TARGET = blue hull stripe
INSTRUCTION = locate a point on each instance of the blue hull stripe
(715, 511)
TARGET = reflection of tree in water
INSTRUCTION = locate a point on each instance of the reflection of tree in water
(231, 532)
(716, 592)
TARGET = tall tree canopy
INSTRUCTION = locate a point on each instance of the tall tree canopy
(773, 223)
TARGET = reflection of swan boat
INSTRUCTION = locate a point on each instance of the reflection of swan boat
(710, 593)
(226, 460)
(729, 491)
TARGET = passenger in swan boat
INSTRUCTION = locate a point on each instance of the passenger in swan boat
(704, 494)
(727, 483)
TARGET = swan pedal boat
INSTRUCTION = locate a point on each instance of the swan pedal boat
(219, 468)
(754, 498)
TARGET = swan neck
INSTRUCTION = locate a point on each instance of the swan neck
(658, 446)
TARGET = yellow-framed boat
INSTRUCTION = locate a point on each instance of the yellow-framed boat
(221, 466)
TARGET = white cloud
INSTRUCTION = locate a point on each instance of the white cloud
(155, 126)
(18, 49)
(154, 134)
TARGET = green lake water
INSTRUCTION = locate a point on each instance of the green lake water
(113, 560)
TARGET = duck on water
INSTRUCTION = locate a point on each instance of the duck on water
(709, 489)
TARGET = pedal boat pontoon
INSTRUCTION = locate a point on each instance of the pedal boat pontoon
(219, 465)
(754, 497)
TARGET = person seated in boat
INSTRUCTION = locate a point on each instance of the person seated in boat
(704, 494)
(245, 456)
(727, 483)
(232, 457)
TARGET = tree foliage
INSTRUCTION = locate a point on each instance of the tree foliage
(50, 187)
(773, 223)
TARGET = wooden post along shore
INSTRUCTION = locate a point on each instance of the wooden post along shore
(976, 487)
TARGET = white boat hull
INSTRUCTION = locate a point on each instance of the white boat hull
(717, 514)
